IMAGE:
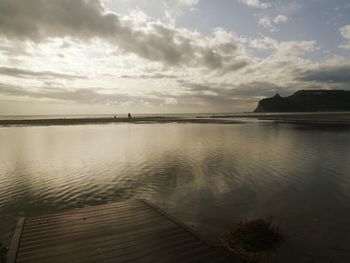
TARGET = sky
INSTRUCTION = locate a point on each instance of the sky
(167, 56)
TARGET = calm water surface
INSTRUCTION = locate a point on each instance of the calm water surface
(208, 175)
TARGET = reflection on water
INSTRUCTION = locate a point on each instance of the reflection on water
(207, 175)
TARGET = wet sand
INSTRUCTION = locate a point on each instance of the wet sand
(318, 118)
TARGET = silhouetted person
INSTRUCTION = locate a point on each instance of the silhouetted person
(115, 116)
(129, 115)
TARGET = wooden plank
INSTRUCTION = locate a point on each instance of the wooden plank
(79, 224)
(92, 239)
(135, 231)
(11, 257)
(119, 243)
(173, 219)
(85, 210)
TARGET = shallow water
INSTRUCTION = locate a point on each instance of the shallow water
(207, 175)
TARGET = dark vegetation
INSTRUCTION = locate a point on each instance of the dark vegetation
(252, 240)
(3, 252)
(307, 101)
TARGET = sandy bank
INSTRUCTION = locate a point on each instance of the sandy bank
(80, 121)
(336, 119)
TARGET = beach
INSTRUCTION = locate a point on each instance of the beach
(336, 118)
(80, 121)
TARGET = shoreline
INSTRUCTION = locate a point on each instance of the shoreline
(135, 120)
(336, 118)
(314, 118)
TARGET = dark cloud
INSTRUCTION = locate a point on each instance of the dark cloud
(328, 74)
(39, 20)
(223, 96)
(237, 65)
(196, 95)
(23, 73)
(86, 95)
(224, 91)
(258, 89)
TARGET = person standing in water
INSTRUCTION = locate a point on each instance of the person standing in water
(129, 115)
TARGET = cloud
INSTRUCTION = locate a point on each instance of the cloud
(265, 22)
(270, 24)
(232, 91)
(229, 97)
(37, 19)
(345, 32)
(170, 101)
(296, 48)
(40, 20)
(283, 48)
(189, 2)
(150, 76)
(256, 3)
(280, 19)
(22, 73)
(80, 95)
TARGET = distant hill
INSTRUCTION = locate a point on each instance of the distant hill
(307, 101)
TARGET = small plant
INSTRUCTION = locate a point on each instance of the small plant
(3, 252)
(252, 240)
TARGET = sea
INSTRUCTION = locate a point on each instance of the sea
(209, 176)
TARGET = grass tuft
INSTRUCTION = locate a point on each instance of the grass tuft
(3, 252)
(252, 240)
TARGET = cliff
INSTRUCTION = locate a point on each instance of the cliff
(307, 101)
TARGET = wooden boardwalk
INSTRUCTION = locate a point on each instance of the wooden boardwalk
(132, 231)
